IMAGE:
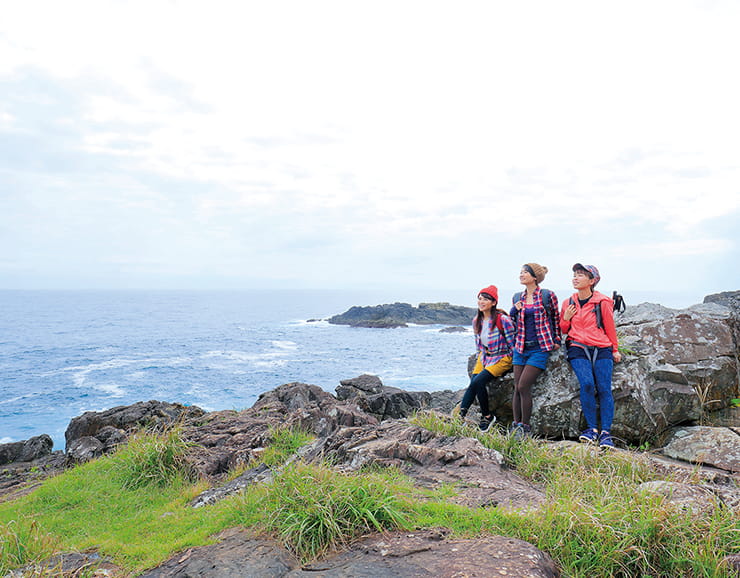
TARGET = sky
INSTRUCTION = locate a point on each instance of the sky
(407, 145)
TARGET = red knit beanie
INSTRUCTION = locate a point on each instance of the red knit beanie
(491, 290)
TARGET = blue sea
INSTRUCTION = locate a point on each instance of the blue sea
(66, 352)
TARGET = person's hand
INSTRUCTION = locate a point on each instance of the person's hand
(556, 347)
(569, 312)
(519, 305)
(617, 357)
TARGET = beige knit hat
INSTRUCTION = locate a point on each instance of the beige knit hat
(538, 271)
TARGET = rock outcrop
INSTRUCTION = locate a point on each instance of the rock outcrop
(400, 314)
(95, 433)
(27, 450)
(401, 554)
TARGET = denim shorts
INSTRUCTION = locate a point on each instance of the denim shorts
(532, 356)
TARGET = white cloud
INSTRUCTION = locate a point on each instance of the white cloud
(382, 133)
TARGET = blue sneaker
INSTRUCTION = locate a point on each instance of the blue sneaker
(589, 436)
(605, 440)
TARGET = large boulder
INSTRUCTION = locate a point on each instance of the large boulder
(105, 430)
(381, 401)
(714, 446)
(26, 450)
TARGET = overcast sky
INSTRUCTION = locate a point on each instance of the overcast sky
(369, 144)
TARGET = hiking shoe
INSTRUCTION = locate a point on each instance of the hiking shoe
(522, 431)
(589, 436)
(485, 423)
(605, 440)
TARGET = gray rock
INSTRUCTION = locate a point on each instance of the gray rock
(730, 299)
(380, 401)
(26, 450)
(714, 446)
(453, 330)
(402, 554)
(431, 460)
(697, 500)
(112, 426)
(400, 314)
(84, 449)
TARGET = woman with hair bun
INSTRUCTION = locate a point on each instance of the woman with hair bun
(494, 338)
(537, 319)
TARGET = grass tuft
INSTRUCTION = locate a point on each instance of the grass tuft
(152, 459)
(284, 442)
(314, 509)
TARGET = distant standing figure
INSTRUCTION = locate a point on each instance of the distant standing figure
(588, 319)
(619, 304)
(494, 339)
(537, 320)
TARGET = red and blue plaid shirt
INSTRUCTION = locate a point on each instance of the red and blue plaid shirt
(548, 330)
(499, 343)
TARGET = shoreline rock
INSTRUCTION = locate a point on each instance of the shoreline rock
(401, 314)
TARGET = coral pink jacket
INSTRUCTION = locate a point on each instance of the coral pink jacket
(582, 326)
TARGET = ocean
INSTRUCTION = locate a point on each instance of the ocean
(66, 352)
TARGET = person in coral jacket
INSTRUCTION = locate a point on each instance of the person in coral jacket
(588, 319)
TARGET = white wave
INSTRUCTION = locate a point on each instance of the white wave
(311, 322)
(275, 363)
(244, 357)
(6, 440)
(18, 398)
(237, 356)
(114, 389)
(284, 344)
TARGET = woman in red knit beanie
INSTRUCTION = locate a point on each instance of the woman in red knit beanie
(494, 339)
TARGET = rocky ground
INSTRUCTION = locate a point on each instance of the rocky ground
(365, 423)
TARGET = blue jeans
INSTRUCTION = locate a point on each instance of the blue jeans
(596, 381)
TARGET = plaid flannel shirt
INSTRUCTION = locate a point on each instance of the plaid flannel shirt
(499, 345)
(548, 330)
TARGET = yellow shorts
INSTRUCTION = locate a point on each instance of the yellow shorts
(498, 369)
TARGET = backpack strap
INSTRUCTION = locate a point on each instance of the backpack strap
(599, 316)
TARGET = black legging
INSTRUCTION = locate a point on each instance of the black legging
(521, 404)
(478, 388)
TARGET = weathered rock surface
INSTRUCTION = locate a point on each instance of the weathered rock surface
(695, 499)
(399, 314)
(69, 564)
(714, 446)
(405, 555)
(431, 460)
(19, 478)
(112, 426)
(380, 401)
(26, 451)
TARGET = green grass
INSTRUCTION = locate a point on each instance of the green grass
(596, 522)
(314, 509)
(284, 442)
(133, 507)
